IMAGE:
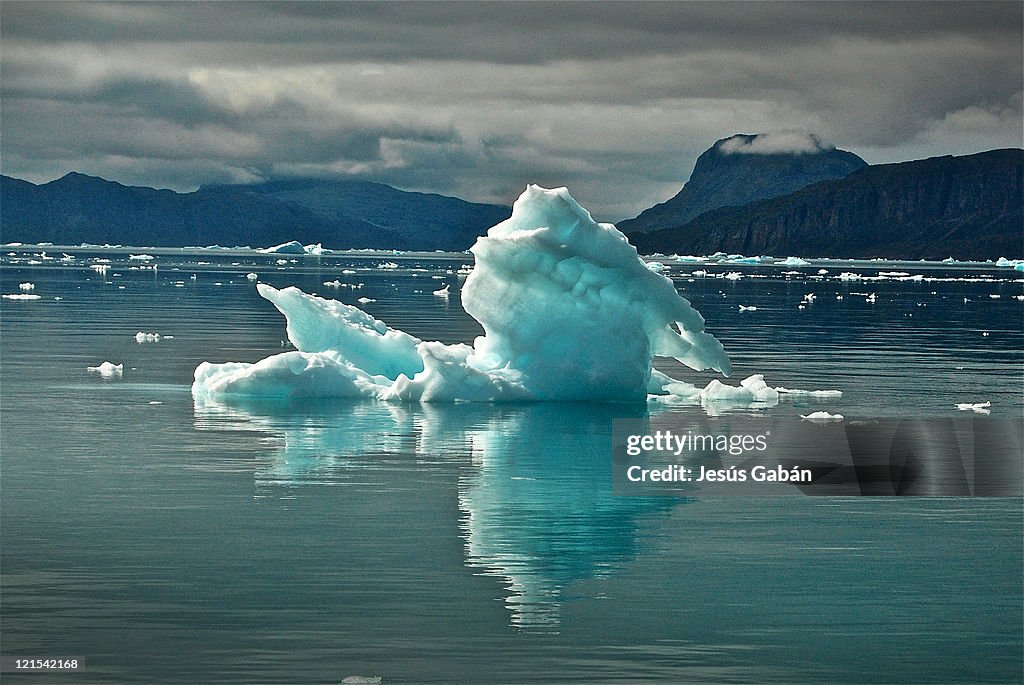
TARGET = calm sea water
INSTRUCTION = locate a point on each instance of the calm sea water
(157, 540)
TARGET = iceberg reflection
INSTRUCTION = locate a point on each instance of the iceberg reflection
(534, 481)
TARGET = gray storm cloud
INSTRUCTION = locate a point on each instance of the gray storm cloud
(615, 100)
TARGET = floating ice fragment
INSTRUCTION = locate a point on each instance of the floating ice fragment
(141, 337)
(733, 276)
(980, 407)
(252, 276)
(443, 292)
(141, 257)
(291, 247)
(821, 417)
(657, 267)
(365, 300)
(810, 393)
(22, 296)
(26, 286)
(107, 369)
(387, 265)
(793, 261)
(568, 309)
(747, 309)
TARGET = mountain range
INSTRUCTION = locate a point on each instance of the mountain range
(341, 214)
(967, 207)
(773, 194)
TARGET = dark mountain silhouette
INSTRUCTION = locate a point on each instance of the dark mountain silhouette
(967, 207)
(340, 214)
(741, 169)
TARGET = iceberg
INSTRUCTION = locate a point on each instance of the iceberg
(291, 247)
(569, 311)
(107, 369)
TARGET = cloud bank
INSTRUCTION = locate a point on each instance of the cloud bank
(615, 100)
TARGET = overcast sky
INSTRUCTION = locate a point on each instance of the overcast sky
(477, 99)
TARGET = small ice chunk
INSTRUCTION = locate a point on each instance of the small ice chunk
(22, 296)
(744, 308)
(141, 337)
(107, 369)
(793, 261)
(140, 257)
(821, 417)
(810, 393)
(26, 286)
(252, 276)
(387, 265)
(756, 386)
(365, 300)
(291, 247)
(656, 267)
(733, 276)
(980, 407)
(443, 292)
(361, 680)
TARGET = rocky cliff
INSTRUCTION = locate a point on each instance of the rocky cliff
(966, 207)
(741, 169)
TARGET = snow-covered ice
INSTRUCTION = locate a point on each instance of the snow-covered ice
(107, 369)
(821, 417)
(979, 407)
(291, 247)
(793, 261)
(569, 312)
